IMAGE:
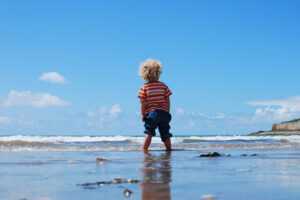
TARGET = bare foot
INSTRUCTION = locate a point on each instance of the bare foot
(147, 142)
(168, 144)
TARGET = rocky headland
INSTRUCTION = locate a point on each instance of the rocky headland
(284, 128)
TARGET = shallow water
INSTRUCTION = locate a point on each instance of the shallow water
(274, 173)
(127, 143)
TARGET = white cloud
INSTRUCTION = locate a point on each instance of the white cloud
(103, 116)
(26, 98)
(292, 103)
(106, 115)
(5, 120)
(219, 116)
(103, 110)
(91, 113)
(272, 114)
(180, 111)
(288, 109)
(52, 77)
(115, 110)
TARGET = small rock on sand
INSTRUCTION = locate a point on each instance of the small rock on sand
(114, 181)
(89, 188)
(99, 159)
(244, 170)
(72, 161)
(127, 192)
(119, 180)
(210, 154)
(208, 197)
(254, 154)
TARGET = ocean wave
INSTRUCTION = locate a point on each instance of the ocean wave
(138, 139)
(138, 147)
(129, 143)
(59, 139)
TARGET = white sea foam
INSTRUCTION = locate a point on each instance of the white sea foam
(128, 143)
(119, 138)
(292, 138)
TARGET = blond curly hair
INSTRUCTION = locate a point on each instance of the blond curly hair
(150, 70)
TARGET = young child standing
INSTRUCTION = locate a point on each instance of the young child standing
(155, 103)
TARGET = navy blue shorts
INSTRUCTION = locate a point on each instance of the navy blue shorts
(160, 119)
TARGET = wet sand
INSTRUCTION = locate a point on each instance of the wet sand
(180, 174)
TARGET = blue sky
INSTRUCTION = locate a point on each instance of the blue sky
(233, 66)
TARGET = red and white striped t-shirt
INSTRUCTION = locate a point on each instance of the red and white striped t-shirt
(154, 94)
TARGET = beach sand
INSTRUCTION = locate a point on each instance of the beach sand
(180, 174)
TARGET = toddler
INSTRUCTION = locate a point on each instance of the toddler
(155, 103)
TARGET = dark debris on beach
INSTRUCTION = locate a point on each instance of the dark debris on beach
(252, 155)
(99, 159)
(126, 192)
(114, 181)
(211, 154)
(216, 154)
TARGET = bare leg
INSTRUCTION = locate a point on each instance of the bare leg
(147, 142)
(168, 144)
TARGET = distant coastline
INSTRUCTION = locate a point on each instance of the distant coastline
(284, 128)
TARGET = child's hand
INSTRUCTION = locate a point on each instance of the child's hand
(143, 117)
(143, 106)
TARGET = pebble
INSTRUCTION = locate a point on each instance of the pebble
(127, 192)
(119, 180)
(115, 181)
(208, 197)
(211, 154)
(244, 170)
(99, 159)
(89, 188)
(254, 154)
(133, 181)
(72, 161)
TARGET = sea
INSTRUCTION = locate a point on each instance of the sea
(114, 167)
(131, 143)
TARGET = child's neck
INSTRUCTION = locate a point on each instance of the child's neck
(152, 81)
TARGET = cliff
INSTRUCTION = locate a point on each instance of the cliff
(284, 128)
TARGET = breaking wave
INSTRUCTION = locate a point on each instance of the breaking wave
(128, 143)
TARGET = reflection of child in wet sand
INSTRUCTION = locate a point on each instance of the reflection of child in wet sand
(156, 177)
(155, 103)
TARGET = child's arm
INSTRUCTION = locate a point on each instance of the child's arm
(143, 108)
(168, 102)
